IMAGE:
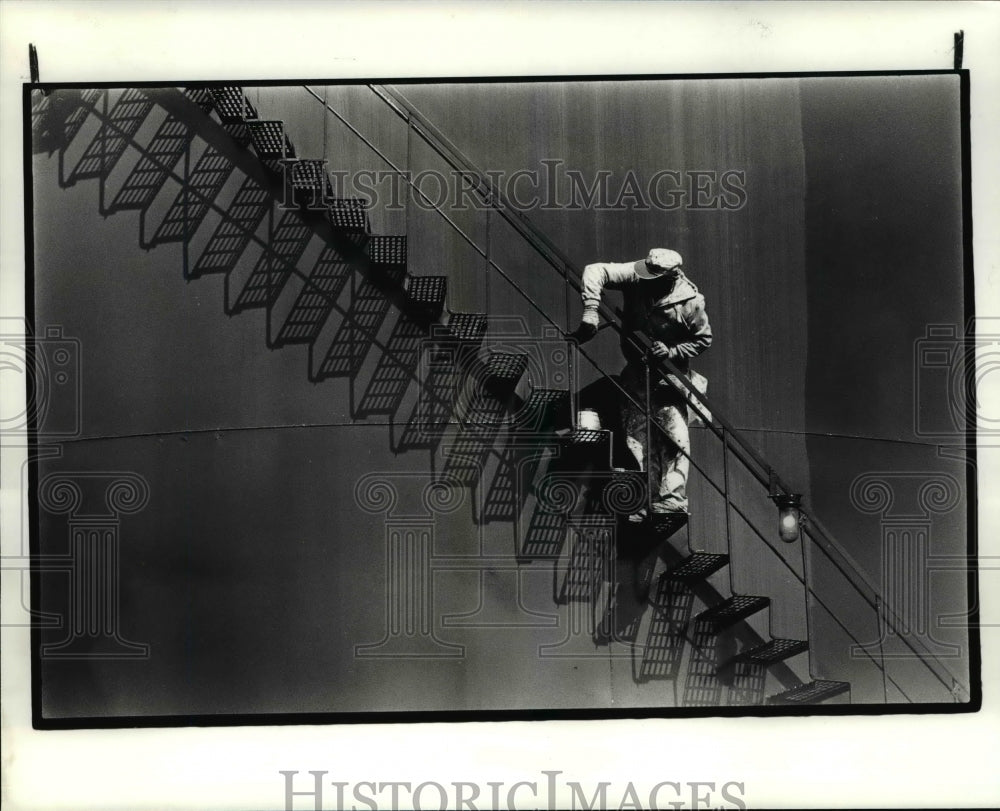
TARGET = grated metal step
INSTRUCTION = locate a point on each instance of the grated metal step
(544, 409)
(731, 611)
(504, 369)
(387, 251)
(586, 448)
(231, 105)
(426, 295)
(697, 567)
(268, 138)
(468, 327)
(270, 143)
(542, 398)
(663, 525)
(815, 692)
(586, 436)
(233, 109)
(349, 216)
(309, 182)
(774, 651)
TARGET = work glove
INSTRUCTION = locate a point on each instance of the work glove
(661, 350)
(588, 325)
(583, 333)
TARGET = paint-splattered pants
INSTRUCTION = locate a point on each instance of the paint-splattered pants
(669, 448)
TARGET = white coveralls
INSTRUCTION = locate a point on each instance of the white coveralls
(671, 310)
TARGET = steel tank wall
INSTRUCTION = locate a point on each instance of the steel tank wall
(161, 358)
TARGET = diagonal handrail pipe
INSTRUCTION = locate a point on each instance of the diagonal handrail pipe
(765, 474)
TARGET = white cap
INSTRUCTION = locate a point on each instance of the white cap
(658, 261)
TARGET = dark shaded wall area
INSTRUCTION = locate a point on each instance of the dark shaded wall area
(883, 229)
(883, 242)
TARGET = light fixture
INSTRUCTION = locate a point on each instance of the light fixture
(789, 515)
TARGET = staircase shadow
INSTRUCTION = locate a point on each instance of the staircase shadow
(597, 560)
(200, 188)
(56, 118)
(114, 135)
(395, 370)
(232, 235)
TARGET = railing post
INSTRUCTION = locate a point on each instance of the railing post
(187, 196)
(570, 348)
(725, 490)
(103, 131)
(326, 138)
(648, 449)
(880, 629)
(407, 181)
(489, 274)
(269, 252)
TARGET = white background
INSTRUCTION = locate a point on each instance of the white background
(907, 760)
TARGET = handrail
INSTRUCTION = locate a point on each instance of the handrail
(753, 461)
